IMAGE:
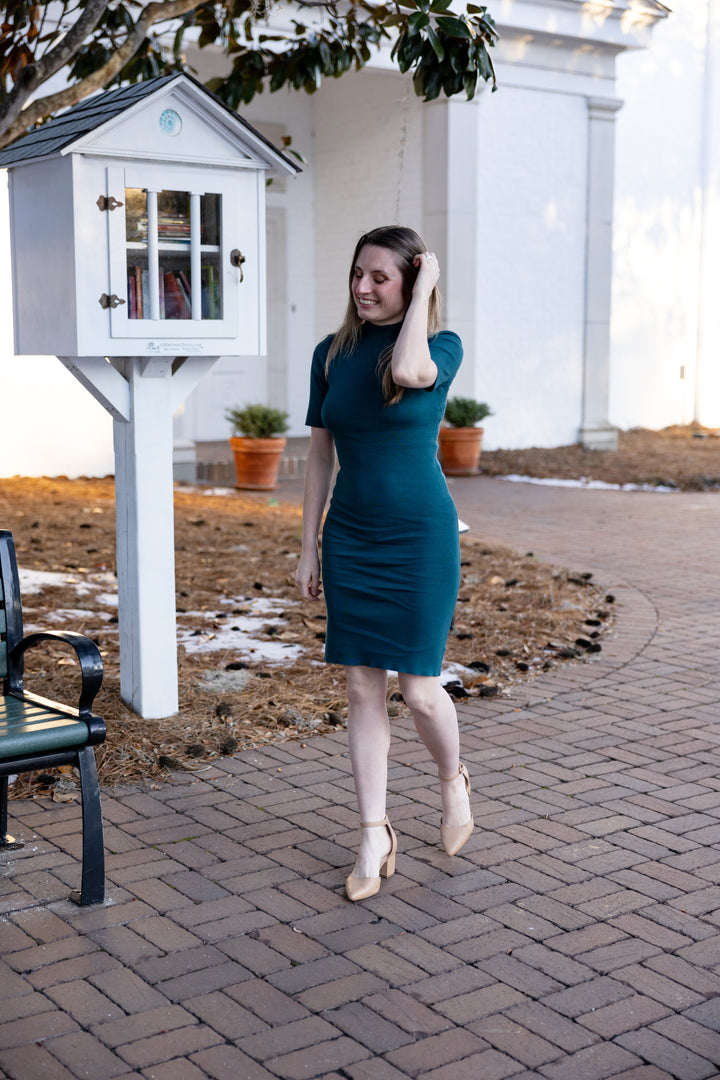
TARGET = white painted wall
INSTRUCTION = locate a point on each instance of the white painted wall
(530, 243)
(367, 155)
(665, 320)
(50, 424)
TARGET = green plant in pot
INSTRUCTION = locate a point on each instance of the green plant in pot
(460, 442)
(257, 445)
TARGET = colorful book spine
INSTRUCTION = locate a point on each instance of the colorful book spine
(132, 303)
(140, 308)
(177, 305)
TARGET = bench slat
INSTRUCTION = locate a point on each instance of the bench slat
(26, 728)
(3, 631)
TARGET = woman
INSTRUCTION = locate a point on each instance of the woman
(390, 551)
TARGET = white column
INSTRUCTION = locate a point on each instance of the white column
(145, 539)
(596, 432)
(450, 217)
(707, 368)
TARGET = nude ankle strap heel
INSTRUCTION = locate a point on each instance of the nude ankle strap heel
(453, 837)
(362, 888)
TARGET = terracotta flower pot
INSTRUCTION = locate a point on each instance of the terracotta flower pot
(257, 462)
(459, 450)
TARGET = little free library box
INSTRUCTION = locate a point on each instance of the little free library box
(137, 225)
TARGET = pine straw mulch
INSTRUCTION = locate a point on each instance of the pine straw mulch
(234, 553)
(686, 458)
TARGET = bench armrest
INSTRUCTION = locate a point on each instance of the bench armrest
(91, 665)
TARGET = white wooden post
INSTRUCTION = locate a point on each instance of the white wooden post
(145, 540)
(142, 393)
(596, 432)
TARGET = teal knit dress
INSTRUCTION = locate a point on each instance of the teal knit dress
(390, 548)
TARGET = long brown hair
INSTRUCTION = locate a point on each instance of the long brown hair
(405, 244)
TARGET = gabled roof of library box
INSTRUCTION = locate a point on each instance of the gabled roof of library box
(59, 134)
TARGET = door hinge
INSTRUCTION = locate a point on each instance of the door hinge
(110, 301)
(108, 202)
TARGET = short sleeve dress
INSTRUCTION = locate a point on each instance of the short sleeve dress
(390, 546)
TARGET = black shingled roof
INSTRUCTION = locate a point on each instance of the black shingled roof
(89, 114)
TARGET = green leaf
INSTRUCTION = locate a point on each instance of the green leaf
(418, 22)
(438, 6)
(436, 43)
(433, 85)
(454, 27)
(470, 79)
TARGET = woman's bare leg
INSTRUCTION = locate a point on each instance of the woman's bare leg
(435, 719)
(369, 740)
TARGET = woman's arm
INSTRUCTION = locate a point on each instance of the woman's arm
(412, 365)
(319, 471)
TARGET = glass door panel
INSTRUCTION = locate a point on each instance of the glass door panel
(174, 254)
(136, 244)
(180, 233)
(210, 276)
(171, 269)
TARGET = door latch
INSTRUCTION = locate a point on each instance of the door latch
(237, 259)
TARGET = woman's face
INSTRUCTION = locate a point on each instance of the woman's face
(377, 286)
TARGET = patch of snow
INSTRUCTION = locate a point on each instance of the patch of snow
(240, 643)
(34, 581)
(73, 614)
(190, 489)
(220, 682)
(239, 638)
(452, 672)
(108, 599)
(583, 482)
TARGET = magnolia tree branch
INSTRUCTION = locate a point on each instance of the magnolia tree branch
(15, 120)
(33, 75)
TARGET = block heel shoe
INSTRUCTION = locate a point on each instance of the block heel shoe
(453, 837)
(362, 888)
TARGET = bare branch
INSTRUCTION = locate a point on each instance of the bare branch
(35, 74)
(15, 120)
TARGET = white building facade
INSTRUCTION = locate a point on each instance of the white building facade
(575, 212)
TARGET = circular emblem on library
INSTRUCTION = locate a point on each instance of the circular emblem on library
(170, 122)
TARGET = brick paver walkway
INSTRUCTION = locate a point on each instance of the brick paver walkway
(577, 938)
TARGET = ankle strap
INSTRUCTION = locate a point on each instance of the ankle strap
(373, 824)
(447, 779)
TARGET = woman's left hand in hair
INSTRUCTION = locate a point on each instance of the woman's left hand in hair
(428, 273)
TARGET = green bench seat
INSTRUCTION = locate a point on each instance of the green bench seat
(36, 733)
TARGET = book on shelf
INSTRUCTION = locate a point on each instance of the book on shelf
(132, 303)
(173, 228)
(210, 293)
(177, 304)
(139, 293)
(185, 286)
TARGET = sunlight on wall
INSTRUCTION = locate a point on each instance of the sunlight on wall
(594, 14)
(634, 18)
(664, 366)
(654, 310)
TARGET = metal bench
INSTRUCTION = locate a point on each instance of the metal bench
(36, 733)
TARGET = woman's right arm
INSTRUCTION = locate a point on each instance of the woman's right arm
(319, 471)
